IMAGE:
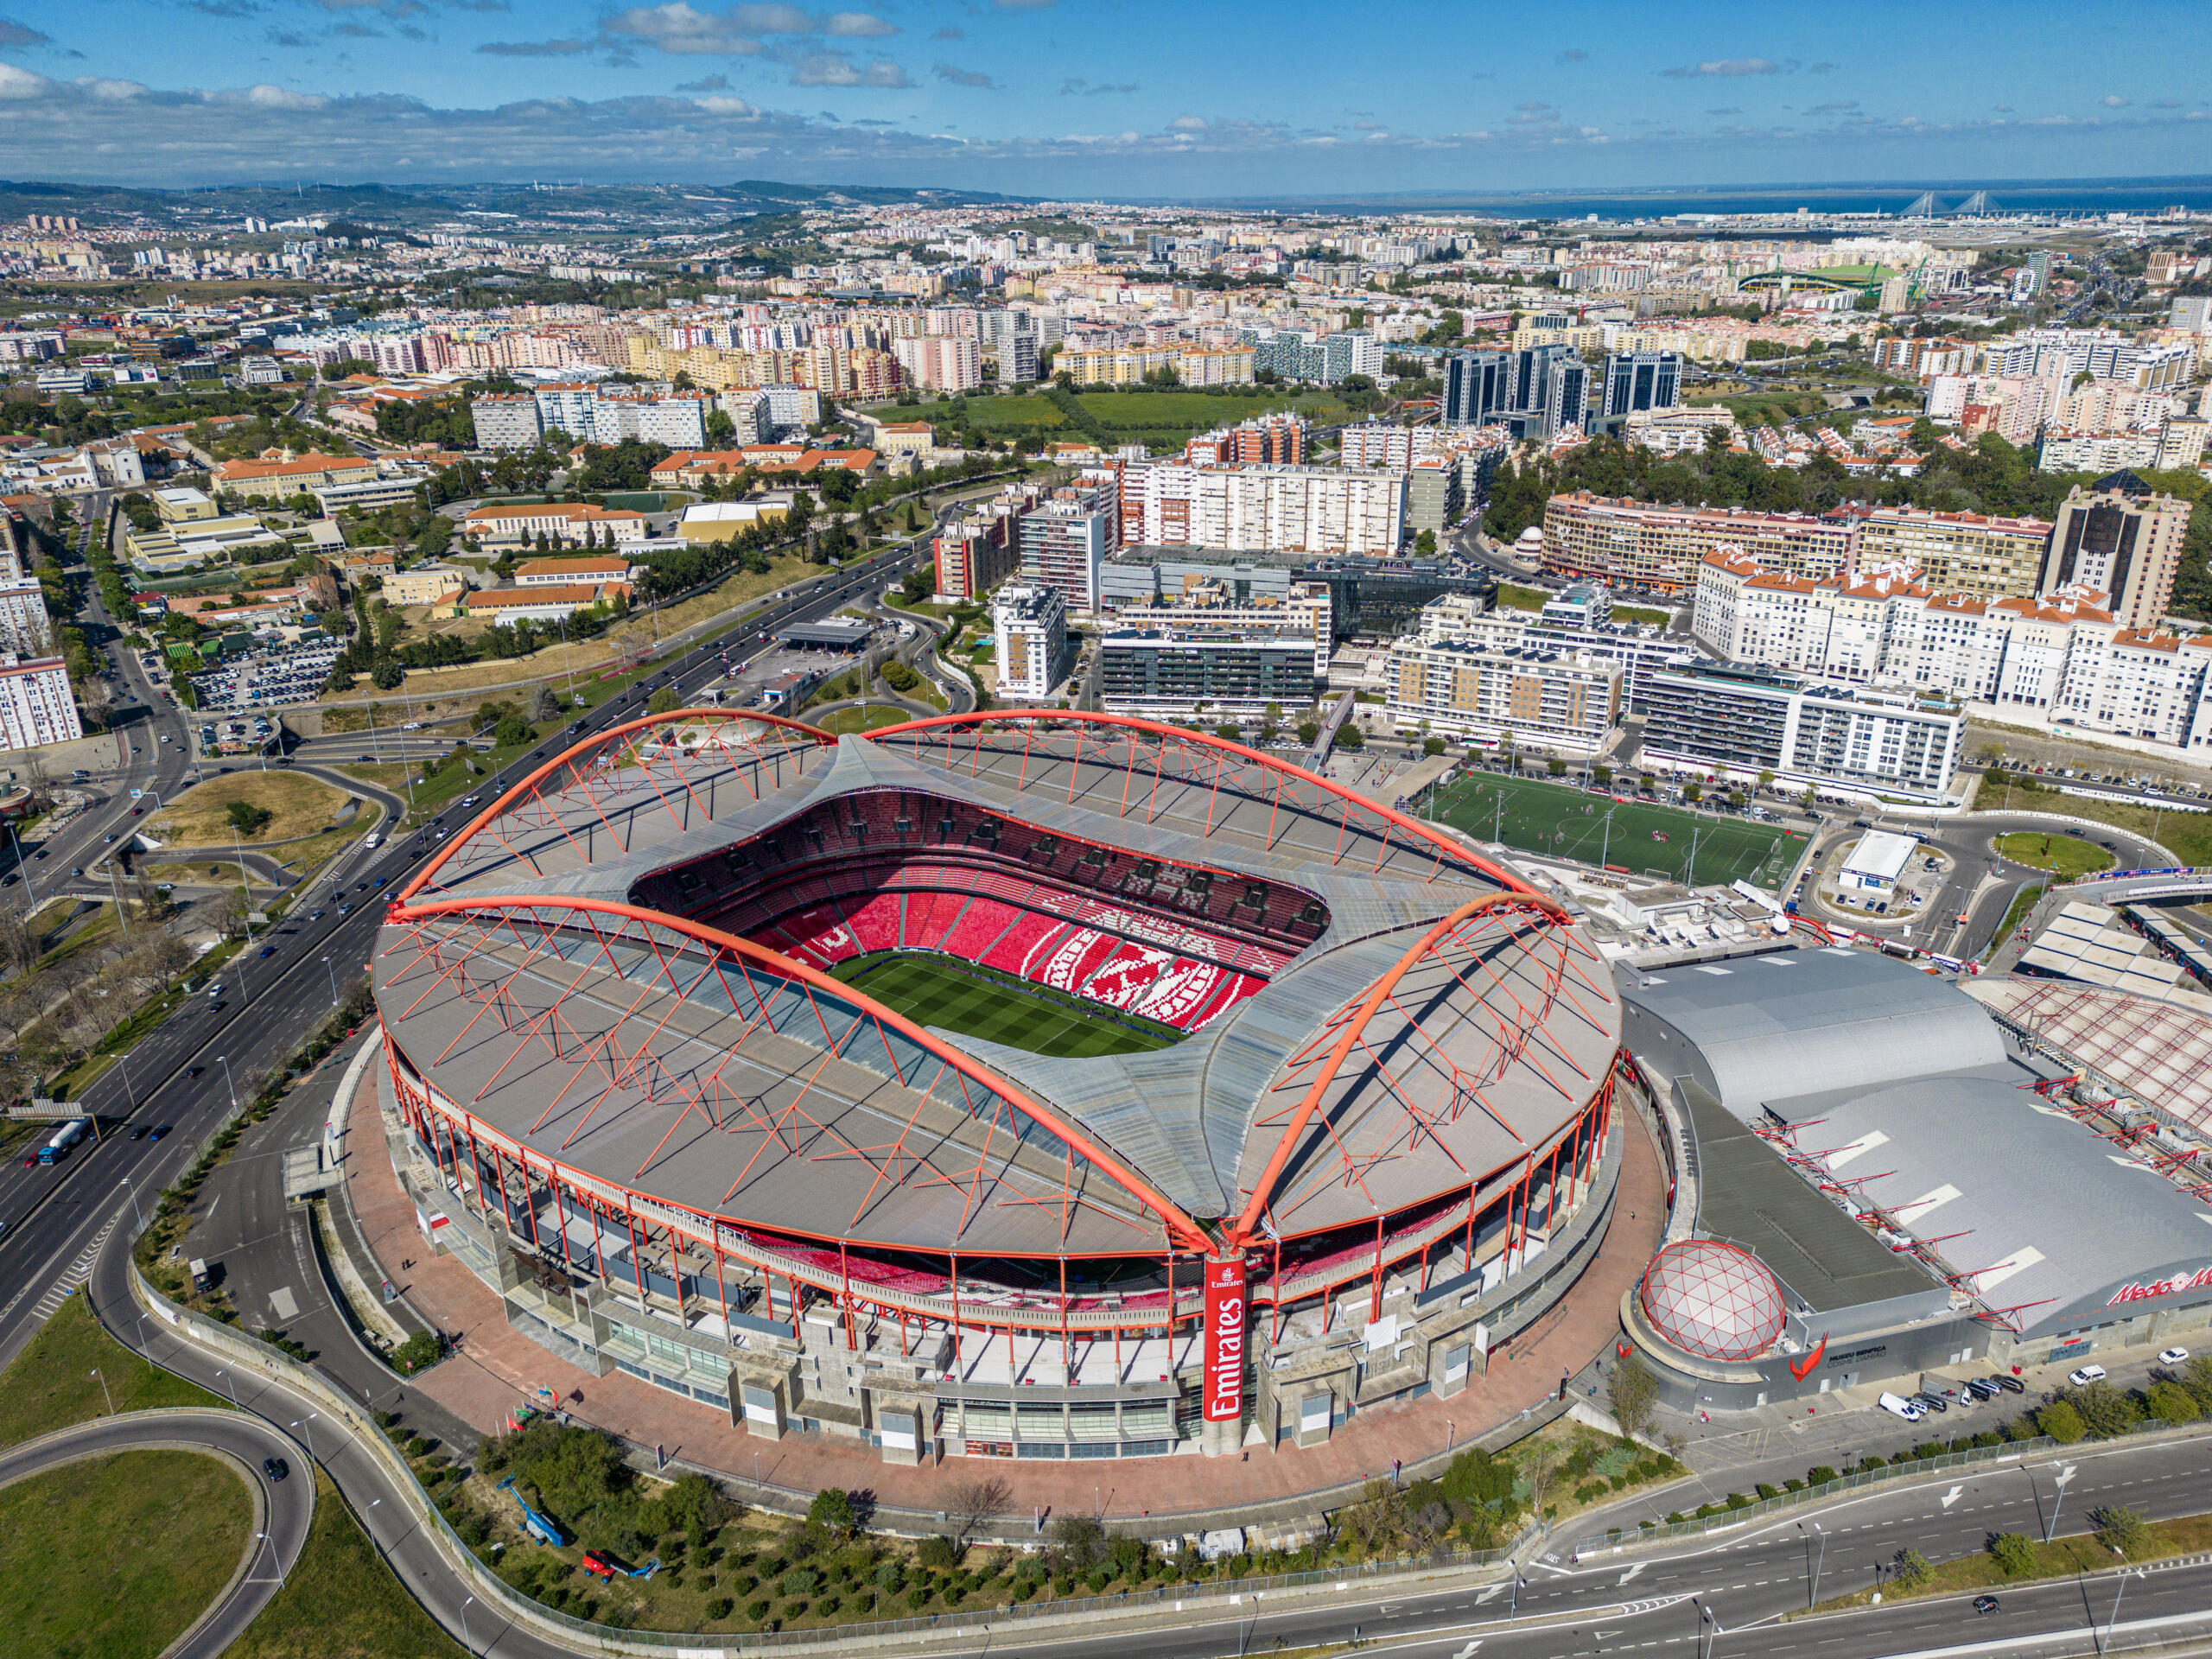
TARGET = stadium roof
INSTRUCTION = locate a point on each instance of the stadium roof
(1755, 1029)
(752, 1086)
(2158, 1052)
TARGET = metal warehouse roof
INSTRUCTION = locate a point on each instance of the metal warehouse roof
(1755, 1029)
(2036, 1213)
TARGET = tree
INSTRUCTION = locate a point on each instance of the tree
(246, 818)
(1424, 545)
(1910, 1570)
(1633, 1393)
(1432, 746)
(1351, 739)
(2013, 1553)
(2120, 1529)
(663, 702)
(543, 705)
(387, 674)
(1308, 730)
(2061, 1421)
(832, 1510)
(1556, 767)
(1538, 1464)
(2170, 1402)
(974, 1504)
(2104, 1410)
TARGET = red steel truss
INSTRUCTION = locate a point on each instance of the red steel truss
(469, 970)
(1427, 1084)
(477, 948)
(640, 752)
(1198, 759)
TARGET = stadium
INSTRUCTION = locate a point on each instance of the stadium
(1024, 1085)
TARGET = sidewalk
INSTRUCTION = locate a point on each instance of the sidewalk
(496, 1365)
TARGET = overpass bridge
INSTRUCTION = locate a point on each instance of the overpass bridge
(2140, 886)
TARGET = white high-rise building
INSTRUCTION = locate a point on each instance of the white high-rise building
(1031, 629)
(36, 707)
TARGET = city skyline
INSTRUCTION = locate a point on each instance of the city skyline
(1030, 96)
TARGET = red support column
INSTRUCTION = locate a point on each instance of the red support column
(1374, 1287)
(722, 1286)
(956, 1297)
(637, 1260)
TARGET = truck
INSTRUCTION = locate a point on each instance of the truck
(64, 1138)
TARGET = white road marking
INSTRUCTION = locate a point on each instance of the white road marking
(1631, 1573)
(281, 1299)
(1952, 1497)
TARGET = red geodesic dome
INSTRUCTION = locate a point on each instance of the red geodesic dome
(1713, 1299)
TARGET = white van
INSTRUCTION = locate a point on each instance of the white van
(370, 840)
(1898, 1406)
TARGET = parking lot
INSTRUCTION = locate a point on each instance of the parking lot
(267, 678)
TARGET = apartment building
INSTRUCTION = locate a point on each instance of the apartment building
(2123, 537)
(1263, 440)
(1736, 723)
(1207, 664)
(1211, 603)
(608, 414)
(36, 707)
(941, 362)
(1531, 694)
(1294, 509)
(1534, 391)
(2176, 442)
(975, 554)
(1063, 542)
(506, 420)
(1030, 626)
(1956, 552)
(1562, 626)
(1626, 543)
(1640, 383)
(1127, 365)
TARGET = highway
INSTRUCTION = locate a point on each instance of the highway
(283, 1508)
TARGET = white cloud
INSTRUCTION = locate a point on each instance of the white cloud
(1725, 68)
(283, 98)
(23, 83)
(2113, 101)
(838, 69)
(857, 24)
(1187, 123)
(112, 90)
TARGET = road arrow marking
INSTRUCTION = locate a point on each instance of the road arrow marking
(1467, 1652)
(1952, 1497)
(1633, 1572)
(1495, 1591)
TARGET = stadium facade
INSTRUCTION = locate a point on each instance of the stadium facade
(1367, 1130)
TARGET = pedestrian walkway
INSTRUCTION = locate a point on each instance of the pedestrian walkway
(497, 1367)
(63, 1288)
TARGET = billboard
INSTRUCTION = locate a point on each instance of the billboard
(1224, 1337)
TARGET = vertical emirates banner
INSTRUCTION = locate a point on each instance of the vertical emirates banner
(1225, 1368)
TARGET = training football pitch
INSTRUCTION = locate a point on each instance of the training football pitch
(1645, 838)
(939, 991)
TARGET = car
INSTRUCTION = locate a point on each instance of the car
(139, 1134)
(268, 950)
(76, 869)
(193, 1071)
(31, 1162)
(1898, 1406)
(2172, 1356)
(364, 757)
(40, 854)
(1985, 1604)
(2010, 1384)
(217, 1006)
(275, 1468)
(159, 1130)
(2086, 1374)
(1983, 1388)
(136, 810)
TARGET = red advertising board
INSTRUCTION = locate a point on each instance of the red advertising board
(1225, 1311)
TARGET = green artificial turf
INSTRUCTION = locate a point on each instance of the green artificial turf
(977, 1002)
(1565, 823)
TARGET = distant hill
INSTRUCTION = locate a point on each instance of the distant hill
(402, 207)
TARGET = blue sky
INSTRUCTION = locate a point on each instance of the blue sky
(1129, 99)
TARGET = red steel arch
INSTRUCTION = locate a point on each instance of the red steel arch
(1441, 844)
(526, 787)
(1186, 1231)
(1350, 1033)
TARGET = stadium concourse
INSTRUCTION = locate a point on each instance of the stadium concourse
(1247, 1105)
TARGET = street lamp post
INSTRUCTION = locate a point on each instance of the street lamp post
(228, 1082)
(111, 1406)
(333, 972)
(2113, 1618)
(306, 1432)
(2059, 1481)
(232, 1383)
(135, 1211)
(467, 1642)
(116, 887)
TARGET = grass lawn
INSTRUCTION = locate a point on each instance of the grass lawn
(51, 1383)
(2189, 834)
(1565, 823)
(2065, 856)
(2022, 902)
(976, 1002)
(849, 720)
(2060, 1558)
(1639, 613)
(302, 806)
(113, 1558)
(342, 1601)
(1511, 597)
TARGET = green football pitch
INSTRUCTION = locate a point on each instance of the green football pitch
(1647, 839)
(974, 1001)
